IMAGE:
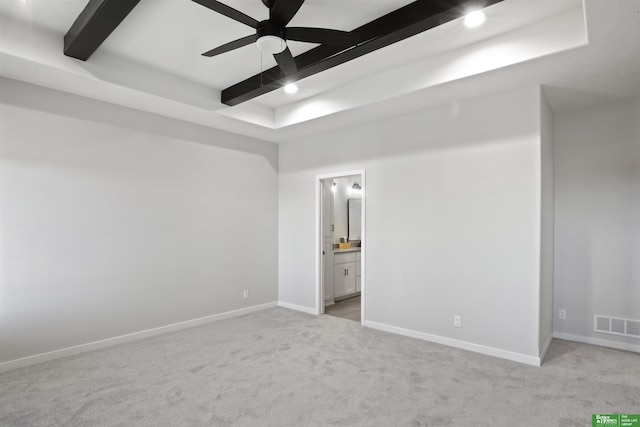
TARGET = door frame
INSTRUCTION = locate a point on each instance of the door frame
(320, 240)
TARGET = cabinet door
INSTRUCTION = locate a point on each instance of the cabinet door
(339, 281)
(344, 277)
(350, 285)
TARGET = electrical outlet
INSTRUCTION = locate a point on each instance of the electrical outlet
(246, 294)
(562, 314)
(457, 321)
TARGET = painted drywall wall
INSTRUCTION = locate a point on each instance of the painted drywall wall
(597, 196)
(453, 218)
(114, 221)
(547, 225)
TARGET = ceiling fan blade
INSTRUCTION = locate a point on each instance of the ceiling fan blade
(283, 11)
(322, 36)
(231, 45)
(286, 62)
(229, 12)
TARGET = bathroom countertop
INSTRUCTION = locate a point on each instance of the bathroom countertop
(339, 251)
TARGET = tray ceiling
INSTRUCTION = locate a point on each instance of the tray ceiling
(153, 61)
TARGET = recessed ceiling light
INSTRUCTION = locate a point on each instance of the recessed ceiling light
(475, 18)
(291, 88)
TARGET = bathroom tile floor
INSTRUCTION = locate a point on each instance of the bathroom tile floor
(346, 309)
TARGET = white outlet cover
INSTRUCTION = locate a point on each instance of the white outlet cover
(457, 321)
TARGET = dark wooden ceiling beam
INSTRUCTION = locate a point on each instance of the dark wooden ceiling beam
(94, 24)
(398, 25)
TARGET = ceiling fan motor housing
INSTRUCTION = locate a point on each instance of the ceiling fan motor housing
(268, 28)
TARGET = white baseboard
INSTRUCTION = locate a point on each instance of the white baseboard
(545, 348)
(490, 351)
(82, 348)
(598, 341)
(298, 308)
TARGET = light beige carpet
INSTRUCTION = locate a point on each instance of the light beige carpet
(283, 368)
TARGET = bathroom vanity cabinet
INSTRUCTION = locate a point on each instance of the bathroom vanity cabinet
(346, 275)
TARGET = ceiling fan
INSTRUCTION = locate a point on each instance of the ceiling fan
(272, 34)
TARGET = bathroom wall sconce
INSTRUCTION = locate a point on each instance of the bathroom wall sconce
(356, 189)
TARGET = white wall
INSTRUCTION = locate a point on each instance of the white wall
(547, 225)
(342, 194)
(453, 218)
(597, 187)
(114, 221)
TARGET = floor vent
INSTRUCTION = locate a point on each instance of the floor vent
(616, 326)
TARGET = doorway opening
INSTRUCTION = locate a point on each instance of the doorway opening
(341, 245)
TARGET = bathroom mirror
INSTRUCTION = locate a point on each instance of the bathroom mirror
(354, 209)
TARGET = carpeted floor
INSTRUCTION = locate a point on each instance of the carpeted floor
(283, 368)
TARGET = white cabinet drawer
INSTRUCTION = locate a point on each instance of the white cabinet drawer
(358, 268)
(358, 257)
(344, 257)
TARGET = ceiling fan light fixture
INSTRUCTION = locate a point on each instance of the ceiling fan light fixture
(271, 44)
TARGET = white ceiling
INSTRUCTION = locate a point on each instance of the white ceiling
(152, 60)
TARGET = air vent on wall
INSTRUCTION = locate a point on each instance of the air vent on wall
(616, 326)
